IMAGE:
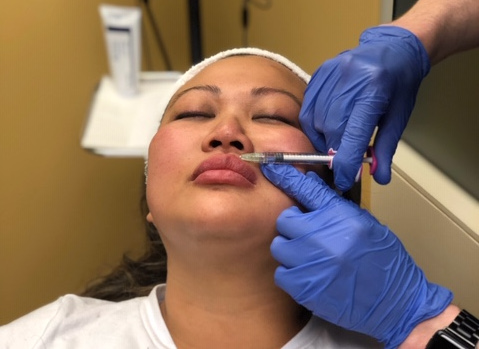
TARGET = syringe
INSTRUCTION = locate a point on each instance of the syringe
(302, 158)
(287, 158)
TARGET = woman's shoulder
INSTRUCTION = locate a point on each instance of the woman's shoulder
(81, 320)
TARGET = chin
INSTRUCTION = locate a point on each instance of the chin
(221, 218)
(223, 213)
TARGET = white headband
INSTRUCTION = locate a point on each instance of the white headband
(190, 73)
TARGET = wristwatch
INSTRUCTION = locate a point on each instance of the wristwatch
(462, 333)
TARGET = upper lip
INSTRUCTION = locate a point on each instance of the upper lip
(226, 162)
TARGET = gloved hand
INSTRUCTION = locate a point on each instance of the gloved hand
(338, 261)
(374, 84)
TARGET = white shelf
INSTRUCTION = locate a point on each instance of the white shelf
(121, 126)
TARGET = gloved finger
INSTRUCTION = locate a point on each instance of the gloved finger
(290, 223)
(282, 251)
(335, 121)
(355, 141)
(297, 245)
(311, 280)
(316, 279)
(385, 145)
(314, 116)
(310, 192)
(316, 138)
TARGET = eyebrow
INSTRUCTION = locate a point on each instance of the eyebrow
(208, 88)
(258, 91)
(261, 91)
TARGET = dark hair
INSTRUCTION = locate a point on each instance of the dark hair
(133, 277)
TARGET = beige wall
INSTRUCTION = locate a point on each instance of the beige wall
(306, 31)
(441, 242)
(66, 214)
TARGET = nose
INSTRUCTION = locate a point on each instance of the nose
(228, 135)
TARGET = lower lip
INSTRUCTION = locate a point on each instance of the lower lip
(227, 177)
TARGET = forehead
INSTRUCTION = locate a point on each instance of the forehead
(254, 70)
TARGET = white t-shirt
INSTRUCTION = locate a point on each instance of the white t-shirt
(78, 322)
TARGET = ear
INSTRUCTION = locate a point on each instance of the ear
(149, 218)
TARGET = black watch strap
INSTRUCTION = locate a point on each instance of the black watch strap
(463, 333)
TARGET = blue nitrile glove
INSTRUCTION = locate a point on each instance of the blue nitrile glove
(338, 261)
(374, 84)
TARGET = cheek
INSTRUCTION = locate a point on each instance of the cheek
(170, 146)
(168, 156)
(162, 154)
(287, 139)
(300, 142)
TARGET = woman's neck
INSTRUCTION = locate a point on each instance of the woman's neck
(231, 306)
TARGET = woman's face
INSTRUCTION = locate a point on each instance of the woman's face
(197, 185)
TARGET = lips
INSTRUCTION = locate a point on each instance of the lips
(224, 169)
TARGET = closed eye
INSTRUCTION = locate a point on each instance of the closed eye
(273, 118)
(194, 114)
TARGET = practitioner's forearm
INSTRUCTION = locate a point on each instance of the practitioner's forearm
(444, 27)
